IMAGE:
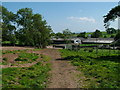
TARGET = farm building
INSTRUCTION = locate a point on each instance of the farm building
(98, 41)
(83, 40)
(61, 43)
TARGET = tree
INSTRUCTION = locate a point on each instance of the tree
(8, 27)
(59, 35)
(112, 15)
(24, 22)
(117, 36)
(96, 34)
(82, 34)
(111, 31)
(67, 34)
(32, 30)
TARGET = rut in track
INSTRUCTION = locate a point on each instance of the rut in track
(63, 74)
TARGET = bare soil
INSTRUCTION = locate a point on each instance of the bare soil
(15, 48)
(63, 74)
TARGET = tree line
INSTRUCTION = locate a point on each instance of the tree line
(25, 28)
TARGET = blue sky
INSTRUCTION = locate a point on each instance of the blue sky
(76, 16)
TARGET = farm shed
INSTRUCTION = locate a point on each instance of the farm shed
(63, 41)
(98, 41)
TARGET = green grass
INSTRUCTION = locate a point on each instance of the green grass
(36, 49)
(28, 56)
(103, 67)
(35, 76)
(89, 44)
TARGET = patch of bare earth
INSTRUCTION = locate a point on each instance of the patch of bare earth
(63, 74)
(11, 58)
(15, 48)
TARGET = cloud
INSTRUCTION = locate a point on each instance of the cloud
(79, 19)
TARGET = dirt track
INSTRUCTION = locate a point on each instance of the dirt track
(64, 75)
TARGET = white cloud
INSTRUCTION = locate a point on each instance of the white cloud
(79, 19)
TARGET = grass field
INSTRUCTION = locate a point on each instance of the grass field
(35, 76)
(101, 70)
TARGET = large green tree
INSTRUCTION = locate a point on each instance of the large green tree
(25, 27)
(34, 30)
(24, 22)
(42, 30)
(8, 25)
(111, 16)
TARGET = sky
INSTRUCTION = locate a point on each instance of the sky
(75, 16)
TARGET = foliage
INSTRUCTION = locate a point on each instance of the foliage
(96, 34)
(111, 31)
(112, 15)
(67, 35)
(102, 69)
(8, 27)
(31, 29)
(117, 37)
(59, 35)
(82, 34)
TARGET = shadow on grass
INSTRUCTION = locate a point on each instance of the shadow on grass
(115, 58)
(109, 58)
(69, 58)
